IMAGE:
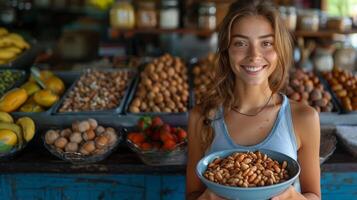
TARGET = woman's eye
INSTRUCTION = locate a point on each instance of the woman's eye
(267, 44)
(240, 44)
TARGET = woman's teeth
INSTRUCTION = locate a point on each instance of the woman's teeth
(253, 69)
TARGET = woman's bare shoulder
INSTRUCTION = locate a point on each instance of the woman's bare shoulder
(306, 121)
(302, 112)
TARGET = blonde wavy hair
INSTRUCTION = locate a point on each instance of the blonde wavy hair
(221, 91)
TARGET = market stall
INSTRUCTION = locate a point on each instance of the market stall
(104, 115)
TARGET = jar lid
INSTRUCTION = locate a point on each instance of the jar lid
(207, 8)
(169, 3)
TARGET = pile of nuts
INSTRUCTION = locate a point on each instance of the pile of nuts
(85, 137)
(246, 170)
(306, 87)
(163, 87)
(203, 75)
(8, 79)
(97, 90)
(344, 85)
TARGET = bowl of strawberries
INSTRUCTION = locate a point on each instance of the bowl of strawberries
(158, 143)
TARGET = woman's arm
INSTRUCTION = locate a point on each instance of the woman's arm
(307, 130)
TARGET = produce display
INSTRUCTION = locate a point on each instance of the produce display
(84, 138)
(306, 87)
(8, 79)
(14, 135)
(11, 45)
(30, 97)
(344, 85)
(163, 87)
(251, 169)
(97, 90)
(203, 76)
(155, 135)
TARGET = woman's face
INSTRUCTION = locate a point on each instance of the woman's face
(251, 52)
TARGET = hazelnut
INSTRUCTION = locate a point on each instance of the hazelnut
(101, 141)
(75, 127)
(112, 137)
(66, 132)
(61, 142)
(83, 126)
(51, 136)
(99, 130)
(88, 135)
(93, 123)
(76, 137)
(87, 148)
(71, 147)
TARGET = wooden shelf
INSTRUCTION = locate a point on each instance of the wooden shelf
(324, 33)
(115, 33)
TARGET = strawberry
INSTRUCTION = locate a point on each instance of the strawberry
(165, 128)
(156, 136)
(169, 145)
(181, 134)
(144, 123)
(166, 136)
(157, 122)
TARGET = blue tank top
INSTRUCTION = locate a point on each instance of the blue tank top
(281, 138)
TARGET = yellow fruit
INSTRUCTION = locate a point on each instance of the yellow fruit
(13, 99)
(13, 49)
(14, 128)
(45, 98)
(6, 117)
(55, 84)
(28, 127)
(31, 107)
(31, 88)
(45, 74)
(5, 55)
(8, 139)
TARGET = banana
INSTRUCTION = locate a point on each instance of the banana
(3, 31)
(14, 49)
(14, 128)
(6, 117)
(6, 55)
(28, 127)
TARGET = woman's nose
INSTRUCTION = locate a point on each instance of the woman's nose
(254, 53)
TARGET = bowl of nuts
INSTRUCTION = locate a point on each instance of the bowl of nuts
(84, 142)
(236, 174)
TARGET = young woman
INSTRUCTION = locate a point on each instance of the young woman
(244, 108)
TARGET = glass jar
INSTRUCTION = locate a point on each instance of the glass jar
(122, 15)
(288, 14)
(169, 14)
(323, 60)
(146, 15)
(308, 20)
(207, 16)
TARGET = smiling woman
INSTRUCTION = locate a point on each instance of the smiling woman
(243, 108)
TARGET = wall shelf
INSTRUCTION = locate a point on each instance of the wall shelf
(116, 33)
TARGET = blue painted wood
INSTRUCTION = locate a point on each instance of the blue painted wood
(341, 186)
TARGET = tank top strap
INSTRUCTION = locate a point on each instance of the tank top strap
(289, 121)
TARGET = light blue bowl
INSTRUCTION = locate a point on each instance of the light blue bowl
(256, 193)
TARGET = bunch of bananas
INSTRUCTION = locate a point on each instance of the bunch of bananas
(11, 45)
(15, 134)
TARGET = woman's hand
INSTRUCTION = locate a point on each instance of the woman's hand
(208, 195)
(289, 194)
